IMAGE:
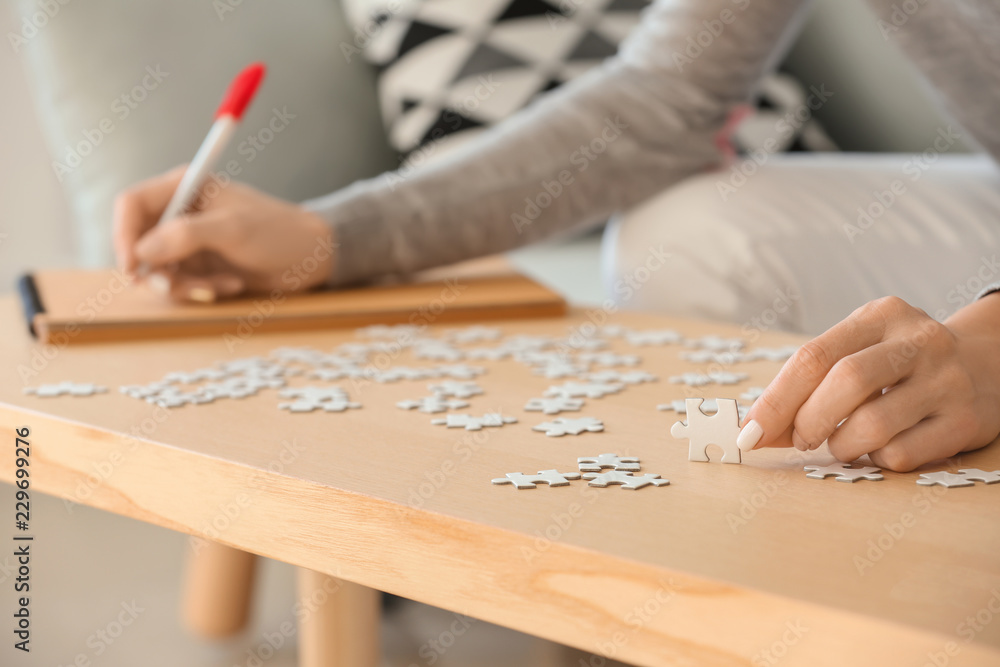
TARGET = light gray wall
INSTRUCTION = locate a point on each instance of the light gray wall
(34, 215)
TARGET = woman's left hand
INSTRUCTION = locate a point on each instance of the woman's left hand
(911, 389)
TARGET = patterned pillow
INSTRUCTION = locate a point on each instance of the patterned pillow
(451, 68)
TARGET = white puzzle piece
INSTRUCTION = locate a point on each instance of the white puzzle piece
(653, 337)
(542, 357)
(473, 423)
(473, 334)
(701, 379)
(691, 379)
(550, 477)
(843, 472)
(65, 389)
(456, 389)
(307, 399)
(613, 330)
(144, 391)
(438, 351)
(334, 374)
(455, 371)
(523, 343)
(194, 377)
(579, 389)
(627, 377)
(716, 343)
(566, 426)
(432, 404)
(554, 405)
(708, 407)
(582, 344)
(701, 430)
(488, 353)
(298, 355)
(610, 359)
(965, 477)
(626, 479)
(559, 370)
(613, 461)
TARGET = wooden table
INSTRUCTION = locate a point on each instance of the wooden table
(728, 565)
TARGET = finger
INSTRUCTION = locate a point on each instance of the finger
(207, 288)
(775, 410)
(874, 424)
(138, 209)
(783, 439)
(918, 445)
(178, 239)
(851, 382)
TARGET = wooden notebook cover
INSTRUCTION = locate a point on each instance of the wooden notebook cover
(76, 306)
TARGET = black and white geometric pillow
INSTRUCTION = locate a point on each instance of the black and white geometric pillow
(450, 68)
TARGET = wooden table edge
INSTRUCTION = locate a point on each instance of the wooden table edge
(575, 595)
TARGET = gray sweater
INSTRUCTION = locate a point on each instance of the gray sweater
(639, 123)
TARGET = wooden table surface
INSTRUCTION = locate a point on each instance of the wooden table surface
(728, 565)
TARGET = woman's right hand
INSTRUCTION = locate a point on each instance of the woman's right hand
(237, 240)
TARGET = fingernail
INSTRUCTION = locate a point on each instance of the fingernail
(749, 436)
(159, 283)
(202, 294)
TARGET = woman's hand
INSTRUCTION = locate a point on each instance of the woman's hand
(911, 389)
(237, 240)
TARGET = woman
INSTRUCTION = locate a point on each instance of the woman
(829, 236)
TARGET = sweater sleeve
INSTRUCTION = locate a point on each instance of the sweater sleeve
(642, 121)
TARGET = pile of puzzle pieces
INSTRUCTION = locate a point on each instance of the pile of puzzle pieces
(587, 368)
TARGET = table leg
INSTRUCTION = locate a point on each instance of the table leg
(339, 625)
(218, 587)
